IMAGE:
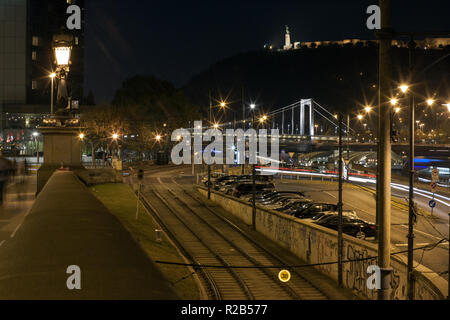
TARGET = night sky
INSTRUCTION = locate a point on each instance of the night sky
(174, 40)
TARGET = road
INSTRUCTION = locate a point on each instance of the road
(428, 231)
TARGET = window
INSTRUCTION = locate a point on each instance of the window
(76, 41)
(35, 41)
(34, 85)
(34, 56)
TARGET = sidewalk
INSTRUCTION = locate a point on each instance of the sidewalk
(68, 227)
(18, 200)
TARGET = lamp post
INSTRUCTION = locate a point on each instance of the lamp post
(52, 76)
(340, 206)
(411, 216)
(253, 107)
(62, 46)
(36, 142)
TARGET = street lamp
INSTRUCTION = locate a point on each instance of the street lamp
(62, 46)
(430, 102)
(360, 117)
(368, 109)
(394, 101)
(404, 88)
(448, 106)
(36, 135)
(81, 136)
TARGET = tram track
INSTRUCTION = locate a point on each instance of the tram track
(210, 239)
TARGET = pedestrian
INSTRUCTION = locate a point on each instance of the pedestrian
(4, 170)
(25, 164)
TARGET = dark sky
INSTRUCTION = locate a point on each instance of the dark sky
(174, 40)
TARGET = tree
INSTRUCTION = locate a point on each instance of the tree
(90, 99)
(152, 106)
(100, 123)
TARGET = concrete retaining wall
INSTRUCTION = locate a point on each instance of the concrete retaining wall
(315, 244)
(99, 176)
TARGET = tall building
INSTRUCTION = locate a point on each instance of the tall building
(27, 28)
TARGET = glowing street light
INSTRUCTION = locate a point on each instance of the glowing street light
(368, 109)
(158, 138)
(397, 110)
(62, 48)
(263, 119)
(448, 106)
(394, 101)
(430, 102)
(253, 106)
(115, 136)
(404, 88)
(81, 136)
(360, 117)
(216, 126)
(223, 105)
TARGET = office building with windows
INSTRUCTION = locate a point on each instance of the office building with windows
(27, 28)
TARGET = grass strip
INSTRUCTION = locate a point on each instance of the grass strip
(121, 201)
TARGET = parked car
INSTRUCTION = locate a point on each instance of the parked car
(214, 176)
(293, 205)
(284, 200)
(242, 189)
(260, 196)
(352, 226)
(321, 215)
(312, 209)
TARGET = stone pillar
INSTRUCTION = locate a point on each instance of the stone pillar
(62, 146)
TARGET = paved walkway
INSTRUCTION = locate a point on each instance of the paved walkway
(18, 200)
(68, 226)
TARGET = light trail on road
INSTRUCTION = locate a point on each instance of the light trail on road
(426, 194)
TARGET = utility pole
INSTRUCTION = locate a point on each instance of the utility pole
(412, 47)
(209, 166)
(385, 36)
(253, 182)
(348, 137)
(243, 123)
(340, 205)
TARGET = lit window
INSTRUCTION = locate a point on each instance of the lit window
(35, 41)
(34, 56)
(76, 41)
(34, 85)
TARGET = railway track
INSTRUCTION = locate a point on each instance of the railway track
(207, 238)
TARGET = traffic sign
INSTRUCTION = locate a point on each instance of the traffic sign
(284, 276)
(140, 175)
(434, 186)
(432, 204)
(435, 175)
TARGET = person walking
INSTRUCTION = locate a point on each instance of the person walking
(5, 167)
